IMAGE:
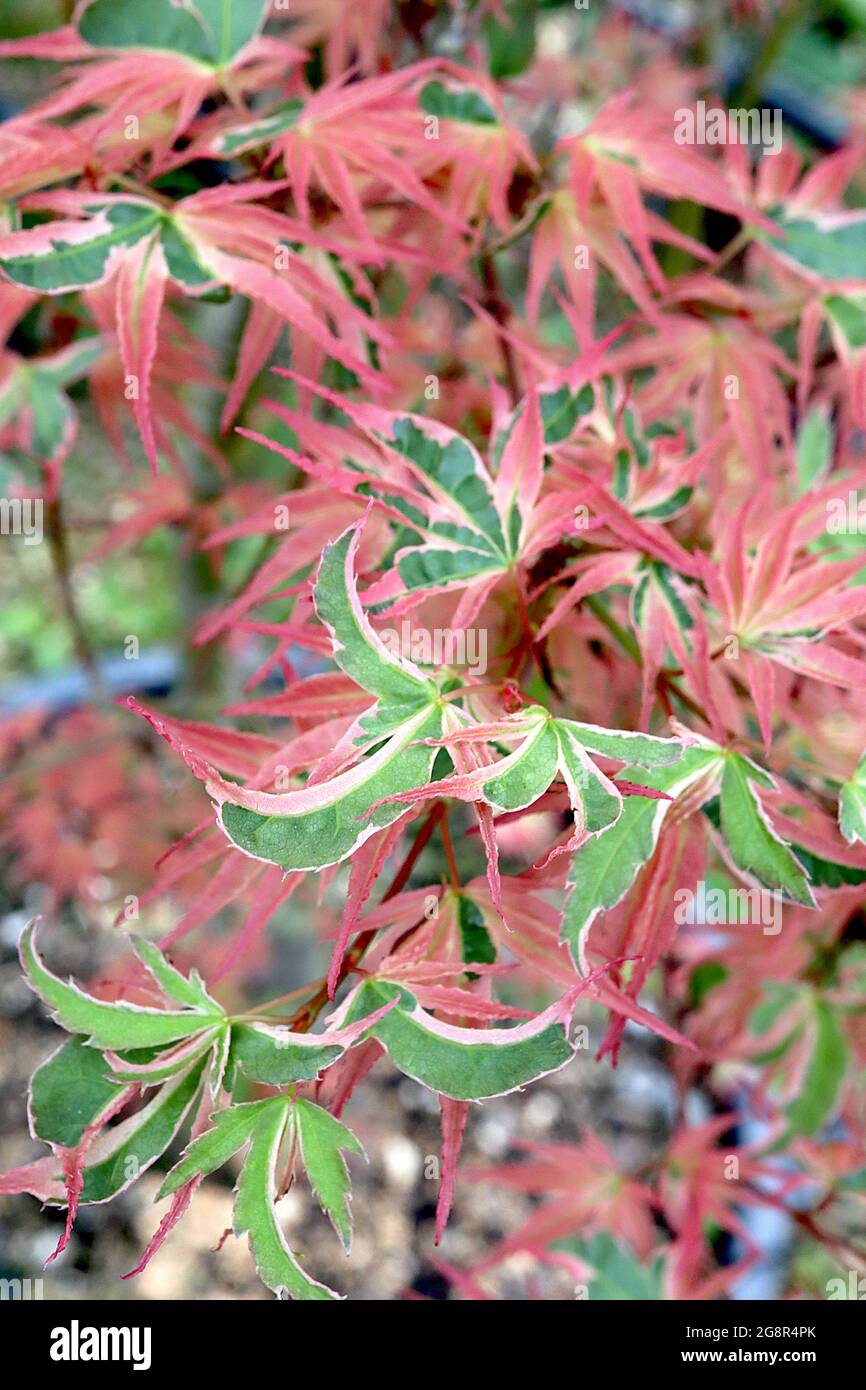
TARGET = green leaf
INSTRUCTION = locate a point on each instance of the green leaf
(531, 769)
(258, 132)
(182, 989)
(778, 999)
(560, 411)
(430, 568)
(54, 264)
(120, 1155)
(110, 1026)
(588, 789)
(266, 1056)
(357, 647)
(703, 979)
(477, 948)
(644, 749)
(182, 258)
(338, 822)
(828, 1065)
(456, 104)
(323, 1140)
(618, 1274)
(152, 1065)
(827, 873)
(852, 805)
(603, 869)
(34, 390)
(456, 472)
(753, 844)
(510, 47)
(71, 1090)
(814, 448)
(464, 1063)
(833, 251)
(230, 1130)
(210, 31)
(254, 1213)
(848, 313)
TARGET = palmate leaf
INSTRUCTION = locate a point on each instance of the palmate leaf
(230, 1130)
(463, 1063)
(549, 746)
(211, 31)
(113, 1026)
(471, 540)
(321, 1140)
(255, 1214)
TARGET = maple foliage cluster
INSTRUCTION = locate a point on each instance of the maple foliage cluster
(556, 547)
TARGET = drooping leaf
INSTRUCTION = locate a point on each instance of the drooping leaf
(230, 1130)
(323, 1141)
(69, 1092)
(255, 1215)
(113, 1026)
(118, 1156)
(322, 825)
(465, 1063)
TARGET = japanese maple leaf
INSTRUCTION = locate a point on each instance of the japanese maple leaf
(627, 151)
(724, 363)
(216, 237)
(811, 260)
(629, 148)
(782, 606)
(584, 1190)
(193, 53)
(359, 143)
(38, 420)
(348, 33)
(703, 1181)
